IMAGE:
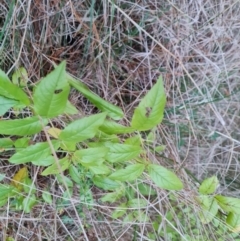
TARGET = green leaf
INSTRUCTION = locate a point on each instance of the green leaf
(209, 208)
(57, 168)
(6, 191)
(22, 127)
(113, 196)
(99, 170)
(5, 143)
(134, 140)
(47, 197)
(149, 112)
(91, 156)
(11, 91)
(112, 110)
(6, 104)
(44, 162)
(3, 201)
(137, 203)
(103, 137)
(122, 152)
(164, 178)
(22, 142)
(47, 102)
(119, 211)
(233, 220)
(228, 204)
(146, 190)
(82, 129)
(28, 203)
(111, 127)
(74, 174)
(34, 153)
(68, 145)
(65, 180)
(209, 185)
(20, 77)
(130, 173)
(70, 109)
(105, 183)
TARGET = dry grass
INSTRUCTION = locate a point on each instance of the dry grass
(119, 50)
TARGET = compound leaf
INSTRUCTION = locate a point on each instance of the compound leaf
(82, 129)
(164, 178)
(22, 127)
(51, 94)
(149, 112)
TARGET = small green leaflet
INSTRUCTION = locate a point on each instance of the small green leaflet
(112, 110)
(22, 142)
(11, 91)
(113, 196)
(110, 127)
(209, 185)
(105, 183)
(149, 112)
(82, 129)
(55, 168)
(28, 203)
(51, 94)
(74, 174)
(6, 191)
(209, 208)
(34, 153)
(22, 127)
(122, 152)
(228, 204)
(6, 104)
(47, 197)
(233, 220)
(130, 173)
(5, 143)
(164, 178)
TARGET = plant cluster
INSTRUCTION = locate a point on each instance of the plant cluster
(112, 156)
